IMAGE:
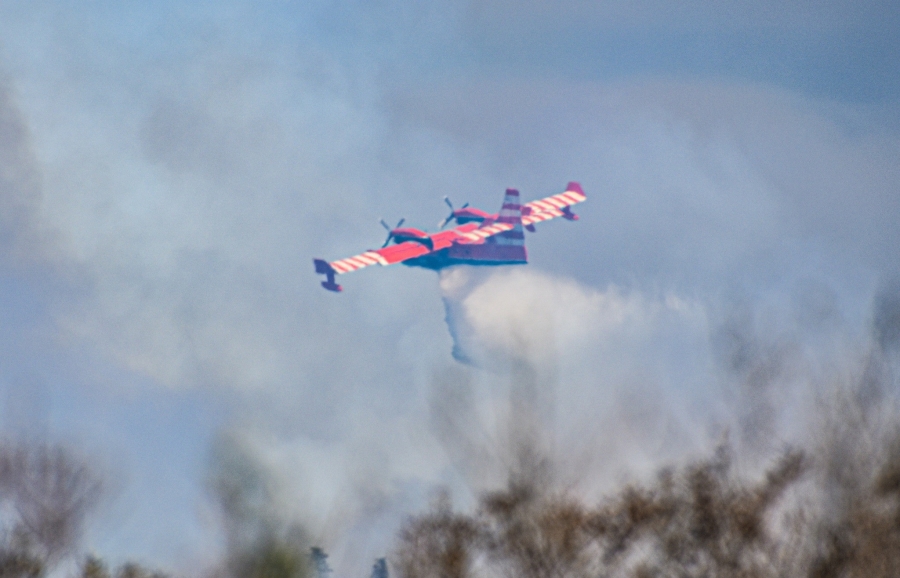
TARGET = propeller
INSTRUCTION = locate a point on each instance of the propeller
(443, 223)
(390, 230)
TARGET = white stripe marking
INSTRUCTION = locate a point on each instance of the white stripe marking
(558, 203)
(340, 267)
(381, 260)
(358, 263)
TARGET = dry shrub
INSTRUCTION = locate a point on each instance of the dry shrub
(700, 521)
(261, 542)
(861, 536)
(533, 535)
(94, 567)
(47, 492)
(704, 521)
(439, 544)
(828, 510)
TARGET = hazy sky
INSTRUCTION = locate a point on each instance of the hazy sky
(169, 169)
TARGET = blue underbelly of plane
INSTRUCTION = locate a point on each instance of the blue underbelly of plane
(483, 254)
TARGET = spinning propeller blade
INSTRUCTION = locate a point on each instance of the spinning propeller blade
(390, 234)
(390, 231)
(452, 215)
(443, 223)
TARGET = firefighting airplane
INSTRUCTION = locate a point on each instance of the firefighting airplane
(479, 239)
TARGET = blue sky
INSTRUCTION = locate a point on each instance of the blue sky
(168, 170)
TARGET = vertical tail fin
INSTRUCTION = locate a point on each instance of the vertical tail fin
(511, 212)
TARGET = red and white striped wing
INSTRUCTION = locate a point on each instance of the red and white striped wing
(468, 234)
(478, 235)
(401, 252)
(553, 206)
(386, 256)
(542, 216)
(357, 262)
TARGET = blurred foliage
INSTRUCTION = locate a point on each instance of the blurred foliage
(273, 560)
(261, 541)
(702, 520)
(94, 567)
(830, 509)
(46, 492)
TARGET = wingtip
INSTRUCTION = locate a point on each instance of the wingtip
(323, 267)
(573, 186)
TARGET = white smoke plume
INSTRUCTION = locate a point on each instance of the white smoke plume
(609, 378)
(815, 416)
(167, 172)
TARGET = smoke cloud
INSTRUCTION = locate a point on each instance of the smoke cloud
(825, 506)
(168, 171)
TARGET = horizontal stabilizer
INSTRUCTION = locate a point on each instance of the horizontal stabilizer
(553, 206)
